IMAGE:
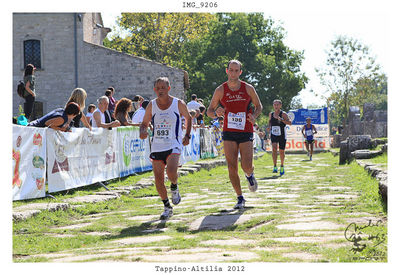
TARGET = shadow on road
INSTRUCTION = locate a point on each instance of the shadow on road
(270, 178)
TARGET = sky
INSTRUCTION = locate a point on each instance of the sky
(312, 31)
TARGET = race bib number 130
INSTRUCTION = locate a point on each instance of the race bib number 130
(237, 120)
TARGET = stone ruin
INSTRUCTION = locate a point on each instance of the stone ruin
(373, 123)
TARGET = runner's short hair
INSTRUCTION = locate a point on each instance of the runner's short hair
(163, 79)
(277, 100)
(234, 61)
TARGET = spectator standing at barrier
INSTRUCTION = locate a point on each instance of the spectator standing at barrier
(137, 103)
(194, 105)
(308, 132)
(112, 102)
(278, 120)
(99, 117)
(194, 120)
(58, 119)
(137, 117)
(79, 96)
(236, 96)
(124, 105)
(30, 92)
(200, 117)
(89, 114)
(166, 146)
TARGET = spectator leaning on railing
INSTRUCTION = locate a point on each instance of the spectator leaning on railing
(99, 119)
(122, 108)
(58, 119)
(79, 96)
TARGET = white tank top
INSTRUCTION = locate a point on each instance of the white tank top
(102, 118)
(167, 127)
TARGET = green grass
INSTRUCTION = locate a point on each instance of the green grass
(33, 236)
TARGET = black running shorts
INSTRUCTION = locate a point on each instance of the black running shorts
(279, 139)
(163, 156)
(239, 137)
(310, 141)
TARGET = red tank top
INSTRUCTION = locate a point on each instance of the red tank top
(237, 106)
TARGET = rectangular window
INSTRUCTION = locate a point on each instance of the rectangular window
(32, 53)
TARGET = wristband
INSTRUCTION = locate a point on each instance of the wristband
(188, 136)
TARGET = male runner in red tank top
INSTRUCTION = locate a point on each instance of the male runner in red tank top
(235, 96)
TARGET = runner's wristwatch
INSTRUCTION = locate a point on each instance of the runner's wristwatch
(188, 136)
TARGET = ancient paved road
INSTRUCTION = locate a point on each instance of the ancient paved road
(300, 216)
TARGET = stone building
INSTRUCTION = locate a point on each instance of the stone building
(67, 50)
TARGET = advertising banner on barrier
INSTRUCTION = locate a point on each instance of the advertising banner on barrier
(29, 162)
(81, 157)
(134, 152)
(257, 142)
(191, 152)
(207, 148)
(295, 140)
(217, 141)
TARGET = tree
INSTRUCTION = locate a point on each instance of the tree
(202, 44)
(159, 36)
(269, 65)
(369, 90)
(348, 62)
(296, 103)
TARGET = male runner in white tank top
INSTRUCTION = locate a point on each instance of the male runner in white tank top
(166, 146)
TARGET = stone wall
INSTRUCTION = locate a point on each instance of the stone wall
(129, 75)
(98, 67)
(55, 80)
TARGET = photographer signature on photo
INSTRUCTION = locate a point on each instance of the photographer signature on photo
(356, 234)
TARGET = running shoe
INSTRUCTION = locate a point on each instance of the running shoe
(275, 170)
(282, 171)
(310, 157)
(167, 213)
(176, 197)
(308, 154)
(252, 183)
(240, 204)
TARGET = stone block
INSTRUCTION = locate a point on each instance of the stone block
(368, 111)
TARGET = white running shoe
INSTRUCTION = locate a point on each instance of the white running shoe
(167, 213)
(176, 197)
(240, 205)
(252, 183)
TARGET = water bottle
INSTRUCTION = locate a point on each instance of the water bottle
(322, 116)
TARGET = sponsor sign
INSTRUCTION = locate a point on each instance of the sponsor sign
(318, 116)
(191, 152)
(80, 157)
(28, 162)
(134, 152)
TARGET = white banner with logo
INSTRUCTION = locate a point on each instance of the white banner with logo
(29, 162)
(81, 157)
(207, 148)
(191, 152)
(134, 152)
(295, 140)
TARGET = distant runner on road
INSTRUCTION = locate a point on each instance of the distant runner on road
(166, 146)
(235, 96)
(278, 120)
(308, 132)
